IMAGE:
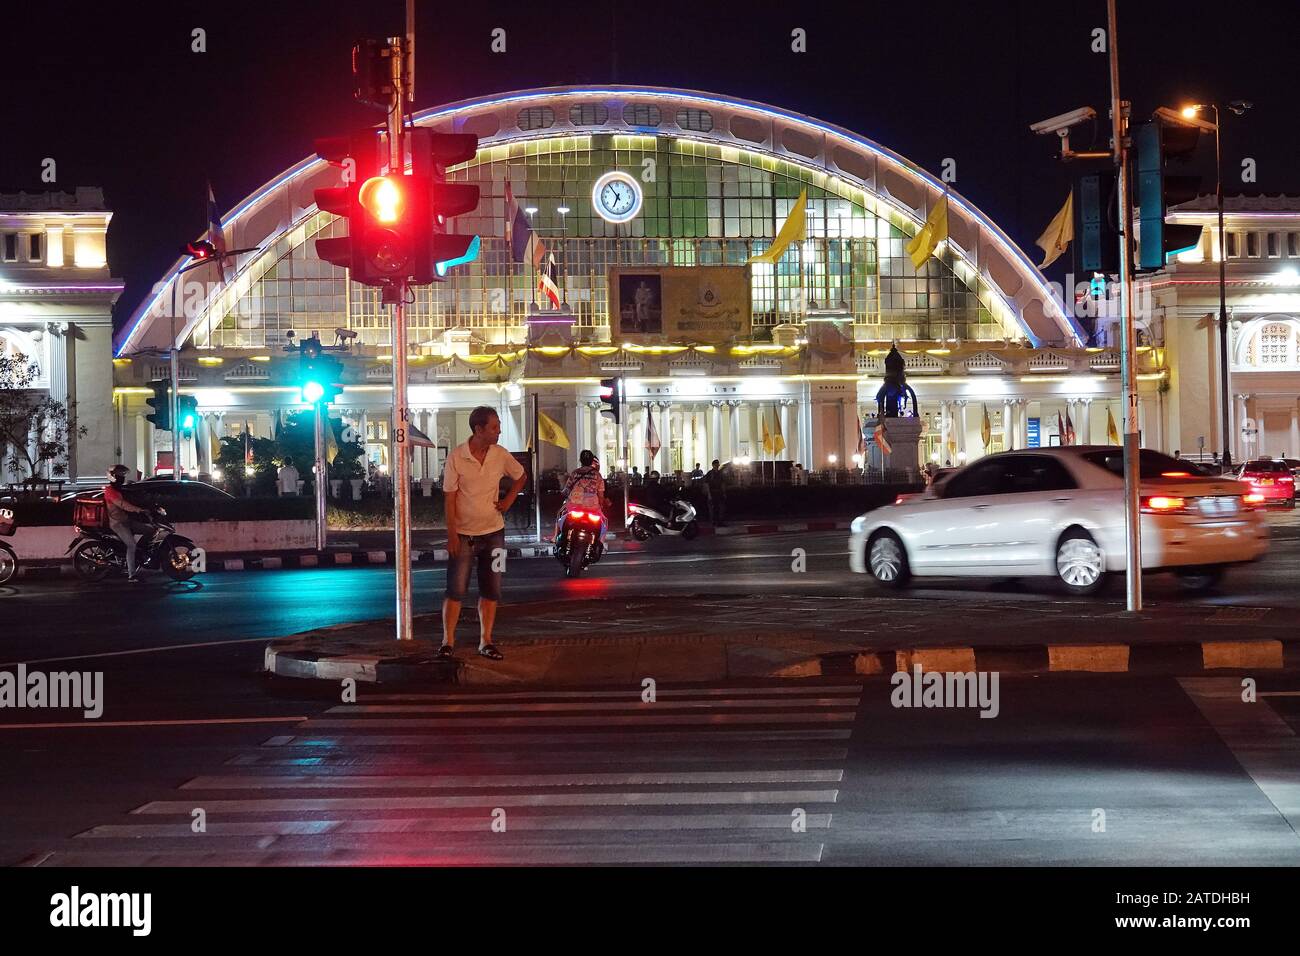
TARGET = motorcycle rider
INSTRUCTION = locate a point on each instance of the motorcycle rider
(119, 518)
(584, 490)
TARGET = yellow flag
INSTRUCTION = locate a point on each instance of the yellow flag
(1112, 433)
(778, 440)
(986, 427)
(331, 444)
(767, 436)
(794, 229)
(932, 233)
(215, 440)
(1058, 234)
(549, 430)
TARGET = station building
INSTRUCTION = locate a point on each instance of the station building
(702, 182)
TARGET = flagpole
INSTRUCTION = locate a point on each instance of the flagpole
(537, 473)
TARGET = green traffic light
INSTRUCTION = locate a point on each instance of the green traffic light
(187, 422)
(312, 392)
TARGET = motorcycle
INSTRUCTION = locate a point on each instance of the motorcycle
(8, 559)
(578, 544)
(644, 521)
(97, 550)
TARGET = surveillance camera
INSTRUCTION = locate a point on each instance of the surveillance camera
(1060, 124)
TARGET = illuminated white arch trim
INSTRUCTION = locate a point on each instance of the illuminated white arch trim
(1251, 331)
(283, 202)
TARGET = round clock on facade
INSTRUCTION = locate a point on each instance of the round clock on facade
(616, 197)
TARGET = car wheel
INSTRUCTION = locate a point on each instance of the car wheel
(887, 560)
(1200, 578)
(1080, 565)
(8, 563)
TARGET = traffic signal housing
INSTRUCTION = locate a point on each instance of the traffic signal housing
(1095, 213)
(187, 411)
(1158, 144)
(611, 397)
(438, 249)
(321, 375)
(358, 156)
(160, 402)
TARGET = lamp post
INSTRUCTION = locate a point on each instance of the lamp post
(1238, 107)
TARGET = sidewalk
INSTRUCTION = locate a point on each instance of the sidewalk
(619, 642)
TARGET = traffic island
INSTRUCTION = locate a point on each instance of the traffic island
(623, 642)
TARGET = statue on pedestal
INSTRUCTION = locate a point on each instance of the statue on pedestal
(895, 399)
(890, 439)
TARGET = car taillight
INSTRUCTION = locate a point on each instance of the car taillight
(1175, 474)
(1163, 504)
(1252, 500)
(1286, 480)
(593, 517)
(577, 514)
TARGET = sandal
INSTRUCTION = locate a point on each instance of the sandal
(490, 651)
(446, 652)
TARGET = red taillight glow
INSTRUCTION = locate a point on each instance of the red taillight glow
(1255, 499)
(1175, 474)
(1163, 504)
(577, 514)
(593, 517)
(1286, 480)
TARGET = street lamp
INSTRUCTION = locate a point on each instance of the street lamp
(1238, 107)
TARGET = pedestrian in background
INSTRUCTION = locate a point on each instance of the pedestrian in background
(716, 487)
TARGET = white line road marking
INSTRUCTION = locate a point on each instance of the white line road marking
(796, 690)
(139, 650)
(609, 720)
(452, 782)
(458, 824)
(617, 741)
(636, 706)
(156, 723)
(445, 754)
(553, 855)
(794, 798)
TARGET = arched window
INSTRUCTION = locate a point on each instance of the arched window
(1272, 344)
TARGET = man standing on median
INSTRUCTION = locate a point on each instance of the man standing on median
(471, 483)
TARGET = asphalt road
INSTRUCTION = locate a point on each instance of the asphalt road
(913, 785)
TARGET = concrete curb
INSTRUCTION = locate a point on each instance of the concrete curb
(304, 658)
(362, 557)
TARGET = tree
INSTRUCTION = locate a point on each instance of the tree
(27, 413)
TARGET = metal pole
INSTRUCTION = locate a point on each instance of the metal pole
(622, 444)
(322, 416)
(537, 472)
(1128, 346)
(401, 445)
(1226, 408)
(173, 400)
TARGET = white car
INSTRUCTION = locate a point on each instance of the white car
(1059, 512)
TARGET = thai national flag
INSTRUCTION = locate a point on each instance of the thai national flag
(525, 245)
(546, 280)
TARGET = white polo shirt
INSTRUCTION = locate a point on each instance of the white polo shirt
(478, 487)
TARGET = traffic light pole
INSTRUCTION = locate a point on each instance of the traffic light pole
(401, 443)
(173, 401)
(1128, 346)
(322, 422)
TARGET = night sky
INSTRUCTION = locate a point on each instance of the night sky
(113, 92)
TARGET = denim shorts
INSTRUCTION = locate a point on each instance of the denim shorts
(476, 550)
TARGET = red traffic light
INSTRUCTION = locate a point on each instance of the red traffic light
(202, 249)
(384, 198)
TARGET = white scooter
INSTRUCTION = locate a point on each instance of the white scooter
(645, 522)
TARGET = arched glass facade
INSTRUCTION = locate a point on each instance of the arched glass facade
(704, 203)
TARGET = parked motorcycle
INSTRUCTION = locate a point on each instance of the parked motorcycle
(579, 542)
(97, 550)
(644, 521)
(8, 559)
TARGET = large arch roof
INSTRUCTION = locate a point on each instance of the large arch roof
(260, 219)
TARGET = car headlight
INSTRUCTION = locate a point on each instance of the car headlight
(859, 523)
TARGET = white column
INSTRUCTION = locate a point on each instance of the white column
(785, 426)
(961, 431)
(666, 436)
(1008, 424)
(735, 428)
(1239, 446)
(151, 456)
(1261, 441)
(1086, 433)
(1293, 447)
(204, 436)
(715, 433)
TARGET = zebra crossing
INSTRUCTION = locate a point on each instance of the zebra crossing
(720, 774)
